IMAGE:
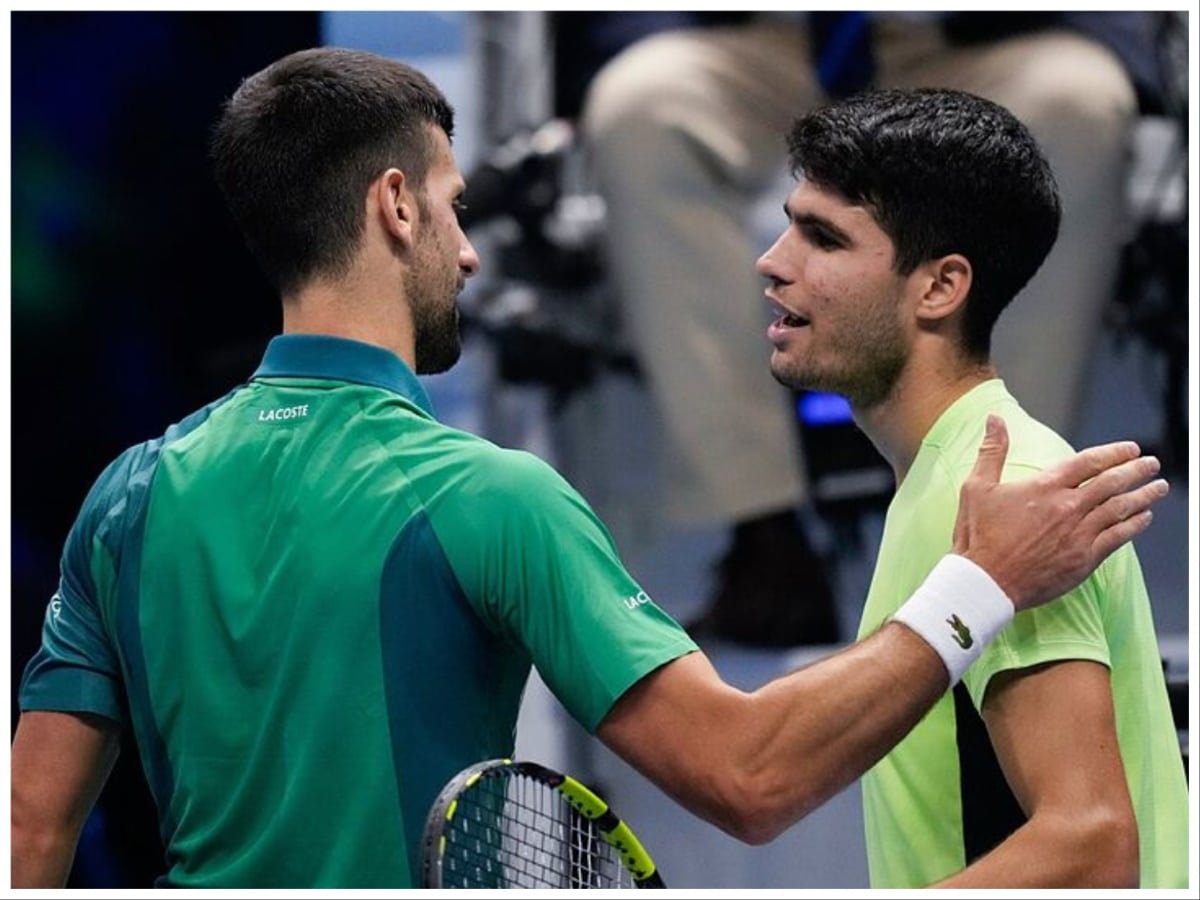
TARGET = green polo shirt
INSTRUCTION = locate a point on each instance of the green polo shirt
(314, 603)
(939, 800)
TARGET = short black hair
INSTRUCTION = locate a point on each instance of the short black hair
(298, 144)
(942, 171)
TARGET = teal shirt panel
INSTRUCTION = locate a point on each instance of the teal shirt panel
(77, 667)
(323, 603)
(259, 604)
(912, 798)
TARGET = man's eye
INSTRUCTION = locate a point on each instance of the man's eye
(822, 238)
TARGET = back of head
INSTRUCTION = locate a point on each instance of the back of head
(298, 144)
(943, 172)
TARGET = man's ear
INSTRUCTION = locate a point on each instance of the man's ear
(945, 284)
(393, 202)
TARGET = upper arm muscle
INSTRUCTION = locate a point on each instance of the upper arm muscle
(1055, 735)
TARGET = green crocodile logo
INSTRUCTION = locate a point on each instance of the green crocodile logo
(962, 634)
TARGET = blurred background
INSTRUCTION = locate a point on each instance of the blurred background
(134, 302)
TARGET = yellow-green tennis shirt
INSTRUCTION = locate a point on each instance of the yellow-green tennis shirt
(315, 603)
(938, 800)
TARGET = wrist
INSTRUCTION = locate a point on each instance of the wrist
(957, 610)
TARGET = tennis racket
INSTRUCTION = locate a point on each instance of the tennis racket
(505, 824)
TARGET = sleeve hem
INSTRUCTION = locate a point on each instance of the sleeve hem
(72, 692)
(979, 676)
(638, 671)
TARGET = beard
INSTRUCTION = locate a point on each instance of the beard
(863, 386)
(868, 363)
(437, 342)
(433, 293)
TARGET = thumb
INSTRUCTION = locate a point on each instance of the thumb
(992, 452)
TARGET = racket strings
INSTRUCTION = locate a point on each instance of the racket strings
(516, 831)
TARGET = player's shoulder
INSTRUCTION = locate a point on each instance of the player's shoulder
(134, 467)
(512, 473)
(1033, 443)
(503, 478)
(1033, 446)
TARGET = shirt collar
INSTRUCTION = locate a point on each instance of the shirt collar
(341, 359)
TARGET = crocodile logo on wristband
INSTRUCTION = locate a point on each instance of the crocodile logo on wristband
(962, 634)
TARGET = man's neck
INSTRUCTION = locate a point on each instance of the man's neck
(925, 390)
(343, 310)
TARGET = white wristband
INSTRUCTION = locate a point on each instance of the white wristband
(958, 609)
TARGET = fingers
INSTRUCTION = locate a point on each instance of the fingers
(1116, 535)
(993, 450)
(1113, 483)
(1041, 536)
(1127, 514)
(1091, 462)
(1126, 505)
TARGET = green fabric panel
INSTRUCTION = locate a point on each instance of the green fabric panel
(260, 609)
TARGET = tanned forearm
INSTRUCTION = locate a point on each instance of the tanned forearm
(755, 763)
(1078, 849)
(810, 734)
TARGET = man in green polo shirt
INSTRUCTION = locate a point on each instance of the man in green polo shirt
(312, 603)
(916, 218)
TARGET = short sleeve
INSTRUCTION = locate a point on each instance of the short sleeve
(1070, 627)
(543, 571)
(76, 669)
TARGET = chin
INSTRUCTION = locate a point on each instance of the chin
(785, 375)
(439, 359)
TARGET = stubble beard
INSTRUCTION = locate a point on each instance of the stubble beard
(433, 299)
(438, 344)
(873, 363)
(863, 387)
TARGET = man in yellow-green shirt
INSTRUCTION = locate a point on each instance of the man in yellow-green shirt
(917, 217)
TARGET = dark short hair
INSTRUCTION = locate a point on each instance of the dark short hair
(299, 142)
(942, 171)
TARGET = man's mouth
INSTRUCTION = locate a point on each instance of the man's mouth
(788, 318)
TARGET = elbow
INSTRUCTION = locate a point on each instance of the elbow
(28, 843)
(1116, 852)
(1105, 848)
(758, 834)
(28, 848)
(40, 854)
(752, 808)
(751, 830)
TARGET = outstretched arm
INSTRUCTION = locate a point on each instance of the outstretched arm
(754, 763)
(60, 762)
